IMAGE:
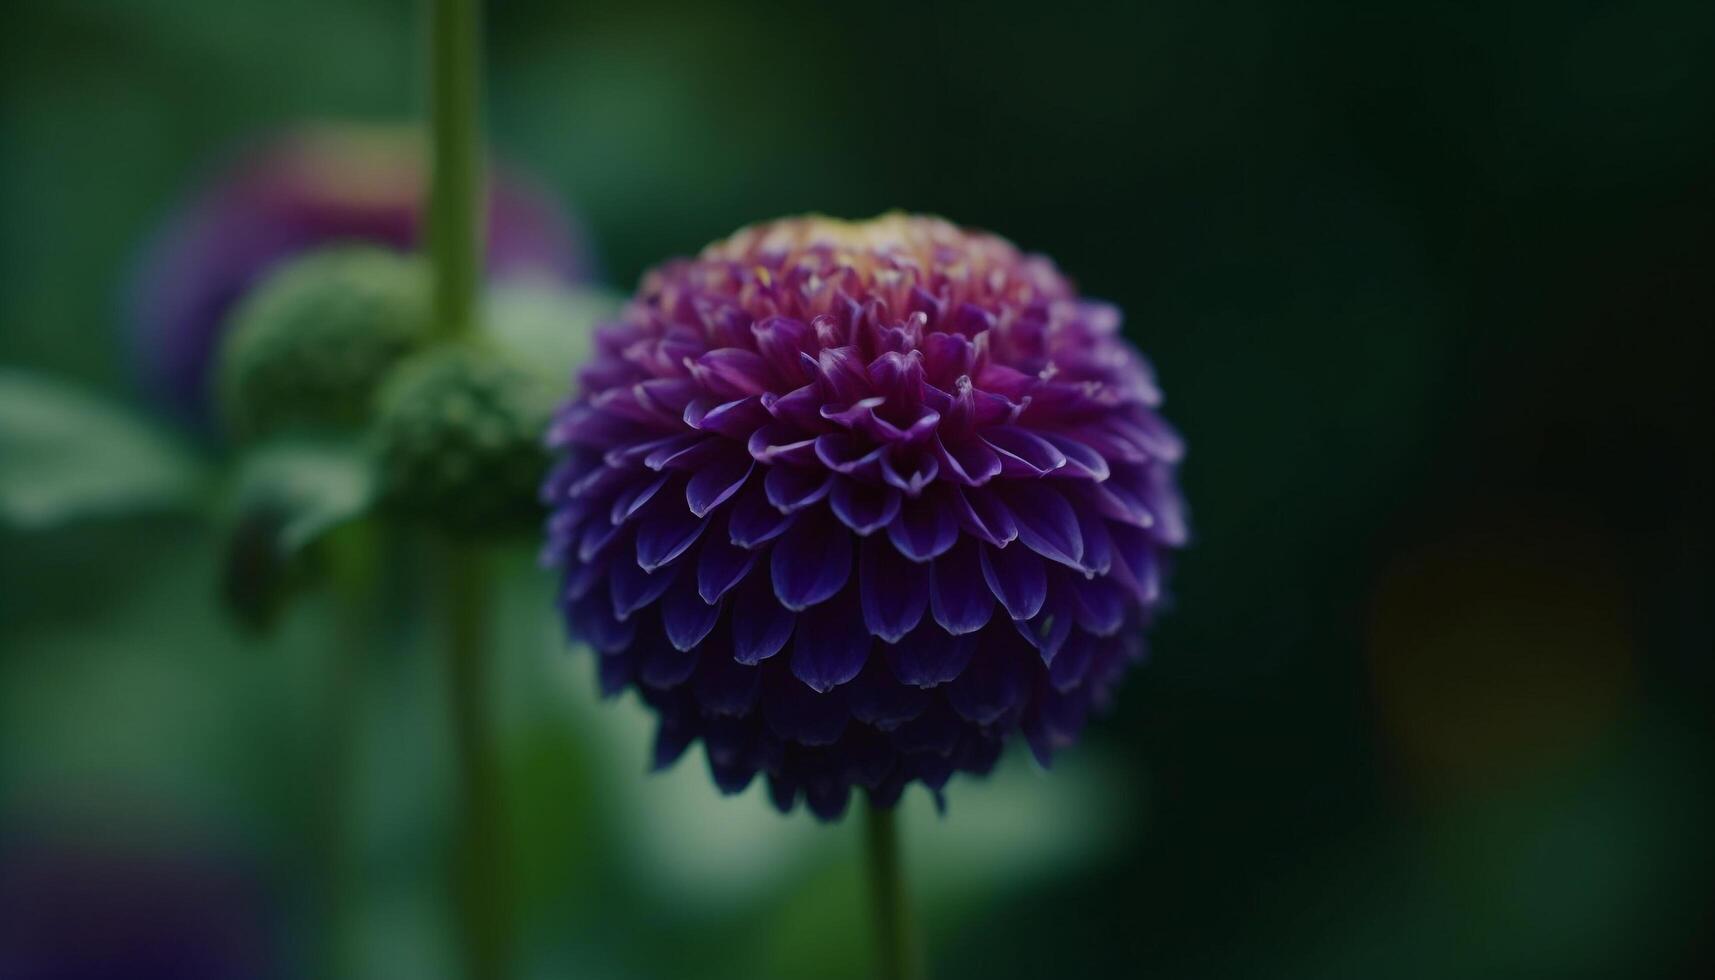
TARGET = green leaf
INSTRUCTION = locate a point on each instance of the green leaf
(286, 497)
(68, 455)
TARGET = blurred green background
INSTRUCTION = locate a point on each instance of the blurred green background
(1430, 288)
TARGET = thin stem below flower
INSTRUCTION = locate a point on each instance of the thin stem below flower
(480, 862)
(898, 956)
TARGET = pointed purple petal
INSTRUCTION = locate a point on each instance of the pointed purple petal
(831, 645)
(926, 527)
(877, 699)
(990, 688)
(895, 590)
(812, 563)
(666, 534)
(1023, 453)
(754, 521)
(959, 597)
(725, 687)
(760, 625)
(791, 488)
(982, 514)
(797, 713)
(928, 656)
(720, 566)
(631, 500)
(631, 588)
(865, 508)
(711, 486)
(1046, 523)
(1017, 578)
(685, 616)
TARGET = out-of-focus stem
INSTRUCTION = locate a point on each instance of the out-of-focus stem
(480, 865)
(351, 554)
(898, 956)
(455, 210)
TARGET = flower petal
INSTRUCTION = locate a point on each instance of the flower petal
(895, 590)
(959, 597)
(1017, 577)
(830, 646)
(760, 625)
(812, 563)
(714, 484)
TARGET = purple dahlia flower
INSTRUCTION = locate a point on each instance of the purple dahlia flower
(852, 502)
(313, 186)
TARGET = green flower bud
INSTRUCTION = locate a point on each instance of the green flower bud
(460, 429)
(308, 347)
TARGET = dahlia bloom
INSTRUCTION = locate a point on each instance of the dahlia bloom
(312, 186)
(853, 502)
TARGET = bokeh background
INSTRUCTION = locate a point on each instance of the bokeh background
(1430, 288)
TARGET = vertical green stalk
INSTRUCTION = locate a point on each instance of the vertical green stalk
(455, 211)
(455, 216)
(351, 554)
(898, 956)
(479, 864)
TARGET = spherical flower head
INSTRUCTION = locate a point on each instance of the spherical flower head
(307, 188)
(852, 503)
(460, 433)
(309, 347)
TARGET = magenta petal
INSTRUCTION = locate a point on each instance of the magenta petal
(684, 614)
(831, 645)
(812, 563)
(895, 591)
(712, 485)
(1017, 577)
(959, 596)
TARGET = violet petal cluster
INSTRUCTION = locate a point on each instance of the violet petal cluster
(850, 503)
(310, 187)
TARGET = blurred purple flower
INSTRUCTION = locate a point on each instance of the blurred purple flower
(852, 502)
(93, 909)
(312, 186)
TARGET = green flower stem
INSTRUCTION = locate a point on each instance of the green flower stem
(353, 577)
(455, 181)
(455, 213)
(480, 865)
(898, 956)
